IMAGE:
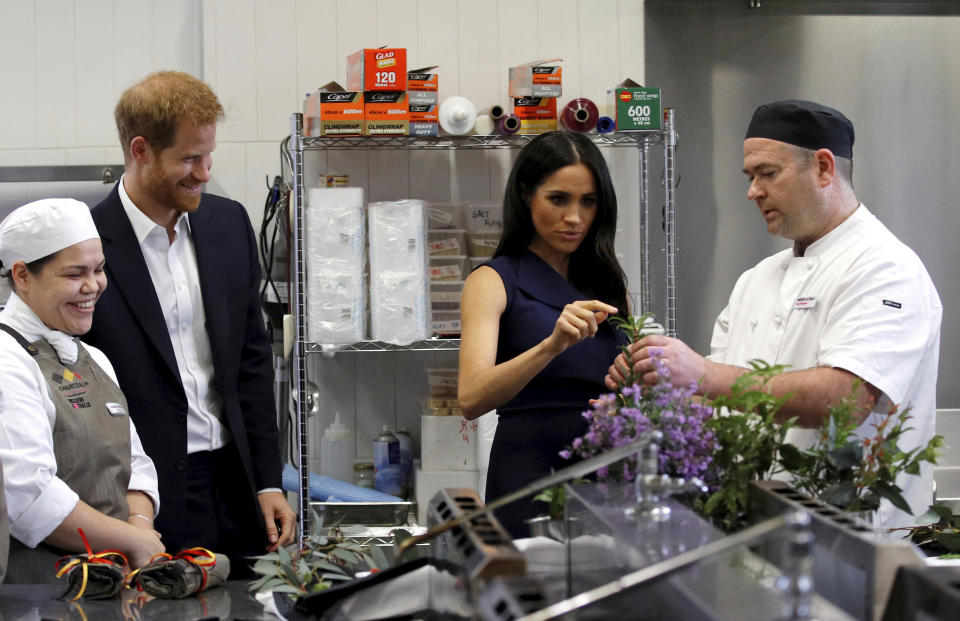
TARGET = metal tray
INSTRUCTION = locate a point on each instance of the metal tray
(366, 513)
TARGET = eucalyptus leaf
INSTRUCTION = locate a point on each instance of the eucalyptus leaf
(287, 588)
(379, 558)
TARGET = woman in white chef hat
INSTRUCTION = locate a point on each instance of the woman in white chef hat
(70, 454)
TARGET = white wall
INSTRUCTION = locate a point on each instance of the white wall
(66, 62)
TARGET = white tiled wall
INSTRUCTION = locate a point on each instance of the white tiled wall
(66, 62)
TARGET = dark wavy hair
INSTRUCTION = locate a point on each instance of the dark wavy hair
(593, 267)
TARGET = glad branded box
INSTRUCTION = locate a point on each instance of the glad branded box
(332, 111)
(385, 114)
(638, 107)
(422, 86)
(537, 114)
(538, 78)
(383, 69)
(423, 119)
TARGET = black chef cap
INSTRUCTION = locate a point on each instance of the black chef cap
(804, 124)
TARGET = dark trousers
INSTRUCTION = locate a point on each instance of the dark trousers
(221, 513)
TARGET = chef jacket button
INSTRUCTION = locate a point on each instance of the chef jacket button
(181, 418)
(777, 321)
(182, 464)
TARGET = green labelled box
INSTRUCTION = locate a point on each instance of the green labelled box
(638, 108)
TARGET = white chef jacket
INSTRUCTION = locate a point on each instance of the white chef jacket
(859, 300)
(37, 500)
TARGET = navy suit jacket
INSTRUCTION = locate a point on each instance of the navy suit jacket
(129, 327)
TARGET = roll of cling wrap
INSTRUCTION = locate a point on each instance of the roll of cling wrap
(580, 115)
(508, 124)
(484, 125)
(605, 125)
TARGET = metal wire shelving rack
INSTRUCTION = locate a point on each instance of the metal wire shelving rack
(299, 143)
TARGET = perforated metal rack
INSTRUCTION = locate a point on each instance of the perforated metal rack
(299, 143)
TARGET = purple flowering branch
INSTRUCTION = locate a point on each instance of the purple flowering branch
(617, 419)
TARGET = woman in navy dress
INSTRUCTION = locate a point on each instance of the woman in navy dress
(535, 343)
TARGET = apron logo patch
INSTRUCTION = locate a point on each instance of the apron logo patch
(809, 301)
(892, 304)
(79, 403)
(66, 376)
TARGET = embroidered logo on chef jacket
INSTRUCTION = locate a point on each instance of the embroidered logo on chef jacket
(892, 304)
(806, 302)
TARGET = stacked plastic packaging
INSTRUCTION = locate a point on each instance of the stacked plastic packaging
(399, 292)
(334, 249)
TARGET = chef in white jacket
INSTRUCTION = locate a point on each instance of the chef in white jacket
(71, 456)
(848, 304)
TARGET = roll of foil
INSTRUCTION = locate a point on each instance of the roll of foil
(457, 115)
(508, 124)
(605, 125)
(484, 125)
(580, 115)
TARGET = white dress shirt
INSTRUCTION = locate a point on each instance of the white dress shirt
(37, 500)
(859, 300)
(173, 270)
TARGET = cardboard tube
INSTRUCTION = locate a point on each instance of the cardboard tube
(496, 112)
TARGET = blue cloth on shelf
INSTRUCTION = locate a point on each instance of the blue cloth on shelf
(328, 489)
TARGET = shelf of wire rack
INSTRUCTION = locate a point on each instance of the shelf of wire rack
(434, 344)
(611, 139)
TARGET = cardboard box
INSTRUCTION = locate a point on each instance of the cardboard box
(382, 69)
(537, 114)
(423, 119)
(638, 107)
(422, 86)
(332, 111)
(428, 483)
(385, 113)
(448, 443)
(537, 78)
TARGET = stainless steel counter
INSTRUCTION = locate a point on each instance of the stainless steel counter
(231, 601)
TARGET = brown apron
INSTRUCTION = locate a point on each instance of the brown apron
(91, 442)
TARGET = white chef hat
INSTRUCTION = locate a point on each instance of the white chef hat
(43, 227)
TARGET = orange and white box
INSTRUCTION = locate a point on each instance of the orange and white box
(423, 119)
(422, 86)
(332, 111)
(382, 69)
(537, 114)
(537, 78)
(385, 113)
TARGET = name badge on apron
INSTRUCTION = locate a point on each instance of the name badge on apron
(116, 409)
(805, 302)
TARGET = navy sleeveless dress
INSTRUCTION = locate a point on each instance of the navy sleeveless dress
(545, 416)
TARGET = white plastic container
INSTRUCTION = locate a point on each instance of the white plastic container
(336, 451)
